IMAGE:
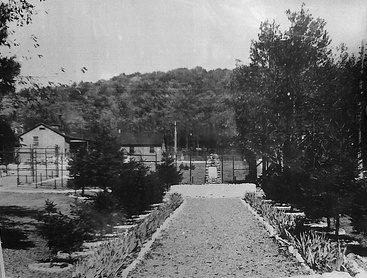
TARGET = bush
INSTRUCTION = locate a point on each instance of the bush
(136, 188)
(62, 232)
(99, 214)
(168, 173)
(284, 185)
(104, 201)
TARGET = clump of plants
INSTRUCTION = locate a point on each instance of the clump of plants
(317, 250)
(279, 220)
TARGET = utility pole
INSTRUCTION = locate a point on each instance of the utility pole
(175, 144)
(363, 115)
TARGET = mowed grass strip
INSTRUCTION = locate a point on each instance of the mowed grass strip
(35, 201)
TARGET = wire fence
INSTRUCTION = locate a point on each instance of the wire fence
(38, 166)
(48, 167)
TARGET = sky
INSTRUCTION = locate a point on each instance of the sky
(112, 37)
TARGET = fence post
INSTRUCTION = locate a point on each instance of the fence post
(46, 161)
(62, 170)
(18, 182)
(234, 178)
(222, 172)
(32, 163)
(190, 167)
(57, 160)
(35, 165)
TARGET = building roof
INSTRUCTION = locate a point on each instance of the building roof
(141, 139)
(67, 137)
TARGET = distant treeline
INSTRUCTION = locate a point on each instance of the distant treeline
(196, 99)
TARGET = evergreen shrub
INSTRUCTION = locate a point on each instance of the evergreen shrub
(285, 185)
(137, 188)
(168, 173)
(62, 233)
(99, 214)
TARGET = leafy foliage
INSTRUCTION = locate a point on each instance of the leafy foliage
(196, 99)
(296, 106)
(12, 13)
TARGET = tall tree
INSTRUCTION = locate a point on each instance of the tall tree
(272, 91)
(296, 104)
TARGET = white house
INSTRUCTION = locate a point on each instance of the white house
(44, 143)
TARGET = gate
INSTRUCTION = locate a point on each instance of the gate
(195, 169)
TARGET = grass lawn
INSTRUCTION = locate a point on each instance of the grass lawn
(35, 201)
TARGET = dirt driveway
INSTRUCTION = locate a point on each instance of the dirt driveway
(215, 236)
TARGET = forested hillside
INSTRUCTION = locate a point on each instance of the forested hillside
(198, 100)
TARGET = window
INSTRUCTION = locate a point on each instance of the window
(35, 141)
(132, 150)
(151, 149)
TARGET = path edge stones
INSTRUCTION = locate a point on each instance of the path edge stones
(147, 246)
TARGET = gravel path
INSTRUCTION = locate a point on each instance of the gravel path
(215, 237)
